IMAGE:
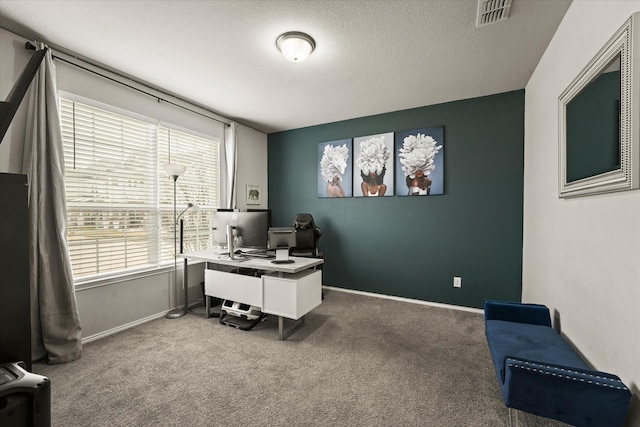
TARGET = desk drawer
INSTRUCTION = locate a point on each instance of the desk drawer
(292, 295)
(233, 286)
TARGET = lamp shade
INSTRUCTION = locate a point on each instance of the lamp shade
(295, 46)
(175, 169)
(189, 206)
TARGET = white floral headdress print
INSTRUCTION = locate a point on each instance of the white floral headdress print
(417, 154)
(334, 161)
(373, 156)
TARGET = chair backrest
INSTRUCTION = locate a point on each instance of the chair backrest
(307, 233)
(303, 221)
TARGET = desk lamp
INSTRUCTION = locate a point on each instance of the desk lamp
(189, 206)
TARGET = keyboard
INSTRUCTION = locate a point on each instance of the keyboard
(258, 253)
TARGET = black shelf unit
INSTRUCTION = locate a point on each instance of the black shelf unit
(15, 317)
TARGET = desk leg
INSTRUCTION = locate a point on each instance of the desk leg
(207, 300)
(185, 285)
(284, 335)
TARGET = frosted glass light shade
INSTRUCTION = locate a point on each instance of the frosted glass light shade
(295, 46)
(175, 169)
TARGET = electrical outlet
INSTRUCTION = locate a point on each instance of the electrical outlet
(457, 282)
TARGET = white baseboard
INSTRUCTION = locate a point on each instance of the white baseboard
(371, 294)
(122, 327)
(409, 300)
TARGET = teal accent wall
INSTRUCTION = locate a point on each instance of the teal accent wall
(412, 247)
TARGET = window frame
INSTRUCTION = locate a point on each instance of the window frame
(159, 264)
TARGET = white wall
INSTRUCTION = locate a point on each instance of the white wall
(252, 149)
(114, 305)
(581, 257)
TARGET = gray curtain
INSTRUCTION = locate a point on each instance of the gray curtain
(55, 324)
(230, 156)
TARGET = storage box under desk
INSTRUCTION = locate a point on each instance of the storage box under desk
(233, 286)
(292, 295)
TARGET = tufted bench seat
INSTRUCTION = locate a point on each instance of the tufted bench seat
(540, 373)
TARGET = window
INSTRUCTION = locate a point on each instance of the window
(119, 199)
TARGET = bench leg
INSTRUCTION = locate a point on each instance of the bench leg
(513, 417)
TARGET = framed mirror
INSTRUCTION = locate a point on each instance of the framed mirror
(598, 132)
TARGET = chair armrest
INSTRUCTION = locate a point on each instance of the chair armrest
(572, 395)
(535, 314)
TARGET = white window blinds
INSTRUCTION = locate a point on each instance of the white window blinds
(120, 201)
(200, 186)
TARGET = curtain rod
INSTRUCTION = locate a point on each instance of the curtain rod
(101, 71)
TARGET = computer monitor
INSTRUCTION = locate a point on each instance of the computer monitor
(281, 238)
(251, 227)
(268, 211)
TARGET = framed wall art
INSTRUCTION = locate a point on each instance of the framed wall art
(373, 165)
(253, 194)
(419, 162)
(335, 168)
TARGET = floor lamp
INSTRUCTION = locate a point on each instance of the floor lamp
(175, 170)
(184, 285)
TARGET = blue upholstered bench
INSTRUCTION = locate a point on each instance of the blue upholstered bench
(540, 373)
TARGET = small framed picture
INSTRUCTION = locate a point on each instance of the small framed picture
(253, 194)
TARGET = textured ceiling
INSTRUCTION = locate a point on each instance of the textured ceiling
(371, 57)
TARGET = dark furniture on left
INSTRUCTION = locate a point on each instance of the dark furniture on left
(15, 319)
(25, 398)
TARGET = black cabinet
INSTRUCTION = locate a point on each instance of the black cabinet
(15, 318)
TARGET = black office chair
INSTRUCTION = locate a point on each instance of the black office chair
(307, 236)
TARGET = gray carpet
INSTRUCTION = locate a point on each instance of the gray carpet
(359, 361)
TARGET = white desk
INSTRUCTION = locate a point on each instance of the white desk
(284, 290)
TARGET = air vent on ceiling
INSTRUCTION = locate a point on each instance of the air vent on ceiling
(492, 11)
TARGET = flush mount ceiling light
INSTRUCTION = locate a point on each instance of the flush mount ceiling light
(295, 46)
